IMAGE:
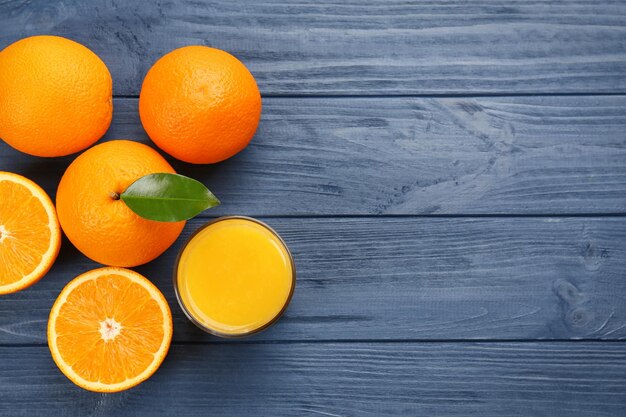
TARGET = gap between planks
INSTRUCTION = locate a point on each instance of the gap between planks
(429, 216)
(361, 341)
(434, 95)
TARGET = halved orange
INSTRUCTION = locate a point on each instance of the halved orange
(109, 329)
(30, 236)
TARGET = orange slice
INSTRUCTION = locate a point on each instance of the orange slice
(109, 329)
(30, 237)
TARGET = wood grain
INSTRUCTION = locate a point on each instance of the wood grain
(510, 155)
(356, 379)
(314, 47)
(421, 160)
(410, 278)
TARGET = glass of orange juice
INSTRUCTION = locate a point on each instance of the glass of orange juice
(234, 276)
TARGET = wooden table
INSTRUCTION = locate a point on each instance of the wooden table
(450, 176)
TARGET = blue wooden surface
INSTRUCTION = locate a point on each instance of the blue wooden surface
(450, 176)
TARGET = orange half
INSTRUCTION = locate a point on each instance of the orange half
(30, 237)
(109, 329)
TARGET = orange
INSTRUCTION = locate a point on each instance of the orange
(30, 236)
(200, 104)
(55, 96)
(109, 329)
(93, 217)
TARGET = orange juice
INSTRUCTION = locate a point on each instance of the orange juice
(234, 277)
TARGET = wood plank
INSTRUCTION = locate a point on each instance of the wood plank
(355, 379)
(526, 155)
(410, 278)
(365, 47)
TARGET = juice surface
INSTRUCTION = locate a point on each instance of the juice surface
(234, 276)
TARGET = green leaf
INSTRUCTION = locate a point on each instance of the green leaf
(168, 197)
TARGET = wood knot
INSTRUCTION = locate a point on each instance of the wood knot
(568, 292)
(579, 317)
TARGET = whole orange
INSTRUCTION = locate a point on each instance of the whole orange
(93, 217)
(55, 96)
(200, 104)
